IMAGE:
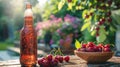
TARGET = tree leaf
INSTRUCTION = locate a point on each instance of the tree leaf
(84, 13)
(101, 38)
(77, 44)
(86, 25)
(60, 5)
(70, 6)
(93, 32)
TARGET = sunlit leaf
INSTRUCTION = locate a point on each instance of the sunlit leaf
(93, 32)
(86, 25)
(84, 13)
(77, 44)
(70, 6)
(60, 5)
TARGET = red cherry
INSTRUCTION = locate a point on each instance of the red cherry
(90, 49)
(90, 44)
(86, 16)
(108, 14)
(60, 59)
(91, 13)
(102, 20)
(79, 49)
(54, 63)
(109, 2)
(45, 63)
(100, 49)
(83, 49)
(97, 34)
(97, 28)
(100, 46)
(109, 19)
(96, 48)
(40, 61)
(67, 58)
(57, 57)
(69, 1)
(107, 50)
(84, 45)
(100, 23)
(107, 46)
(49, 57)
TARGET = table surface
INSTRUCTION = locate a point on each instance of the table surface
(74, 61)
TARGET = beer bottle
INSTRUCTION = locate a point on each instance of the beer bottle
(28, 40)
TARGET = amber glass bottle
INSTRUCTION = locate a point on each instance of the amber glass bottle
(28, 40)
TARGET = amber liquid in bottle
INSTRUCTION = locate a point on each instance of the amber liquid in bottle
(28, 40)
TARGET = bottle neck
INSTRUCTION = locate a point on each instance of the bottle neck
(28, 21)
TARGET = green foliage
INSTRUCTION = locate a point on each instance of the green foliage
(86, 25)
(96, 13)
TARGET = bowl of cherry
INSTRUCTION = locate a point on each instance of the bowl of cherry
(93, 53)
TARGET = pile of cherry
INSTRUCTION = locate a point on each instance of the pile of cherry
(91, 47)
(51, 61)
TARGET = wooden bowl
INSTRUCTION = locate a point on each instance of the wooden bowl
(94, 57)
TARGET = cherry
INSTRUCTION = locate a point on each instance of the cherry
(91, 13)
(102, 20)
(54, 63)
(90, 49)
(90, 44)
(109, 19)
(82, 49)
(100, 23)
(108, 13)
(60, 59)
(69, 1)
(40, 61)
(57, 57)
(96, 48)
(97, 34)
(49, 57)
(45, 63)
(100, 49)
(67, 58)
(84, 45)
(109, 2)
(107, 46)
(100, 46)
(79, 49)
(97, 28)
(107, 49)
(86, 16)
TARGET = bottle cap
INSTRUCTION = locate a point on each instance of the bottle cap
(28, 5)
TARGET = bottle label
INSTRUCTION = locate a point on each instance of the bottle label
(28, 43)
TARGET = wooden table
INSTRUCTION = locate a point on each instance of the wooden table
(74, 62)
